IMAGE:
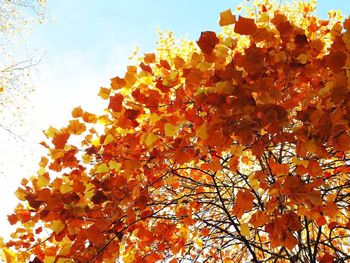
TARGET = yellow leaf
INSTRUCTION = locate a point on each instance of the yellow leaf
(51, 132)
(65, 249)
(104, 93)
(230, 42)
(154, 118)
(130, 256)
(49, 260)
(89, 191)
(245, 230)
(169, 130)
(65, 188)
(109, 138)
(43, 180)
(41, 171)
(102, 168)
(87, 158)
(57, 226)
(104, 120)
(253, 181)
(204, 66)
(150, 139)
(95, 141)
(9, 255)
(114, 165)
(264, 18)
(147, 80)
(199, 242)
(201, 131)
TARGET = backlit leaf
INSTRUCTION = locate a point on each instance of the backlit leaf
(150, 139)
(227, 18)
(170, 129)
(104, 93)
(76, 127)
(102, 168)
(244, 202)
(245, 26)
(201, 132)
(43, 180)
(207, 41)
(245, 230)
(115, 102)
(65, 188)
(77, 112)
(57, 226)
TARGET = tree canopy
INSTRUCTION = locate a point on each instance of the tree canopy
(233, 148)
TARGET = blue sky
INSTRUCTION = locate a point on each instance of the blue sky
(88, 43)
(87, 25)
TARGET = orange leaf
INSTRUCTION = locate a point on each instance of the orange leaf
(77, 112)
(314, 169)
(244, 202)
(149, 58)
(179, 62)
(89, 117)
(60, 140)
(278, 169)
(117, 83)
(289, 241)
(347, 24)
(245, 26)
(233, 163)
(12, 219)
(292, 221)
(335, 60)
(331, 209)
(227, 18)
(259, 219)
(115, 102)
(76, 127)
(207, 41)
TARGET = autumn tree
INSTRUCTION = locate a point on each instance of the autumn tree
(233, 148)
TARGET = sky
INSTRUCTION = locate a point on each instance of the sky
(84, 43)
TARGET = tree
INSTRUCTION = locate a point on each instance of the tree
(232, 149)
(16, 18)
